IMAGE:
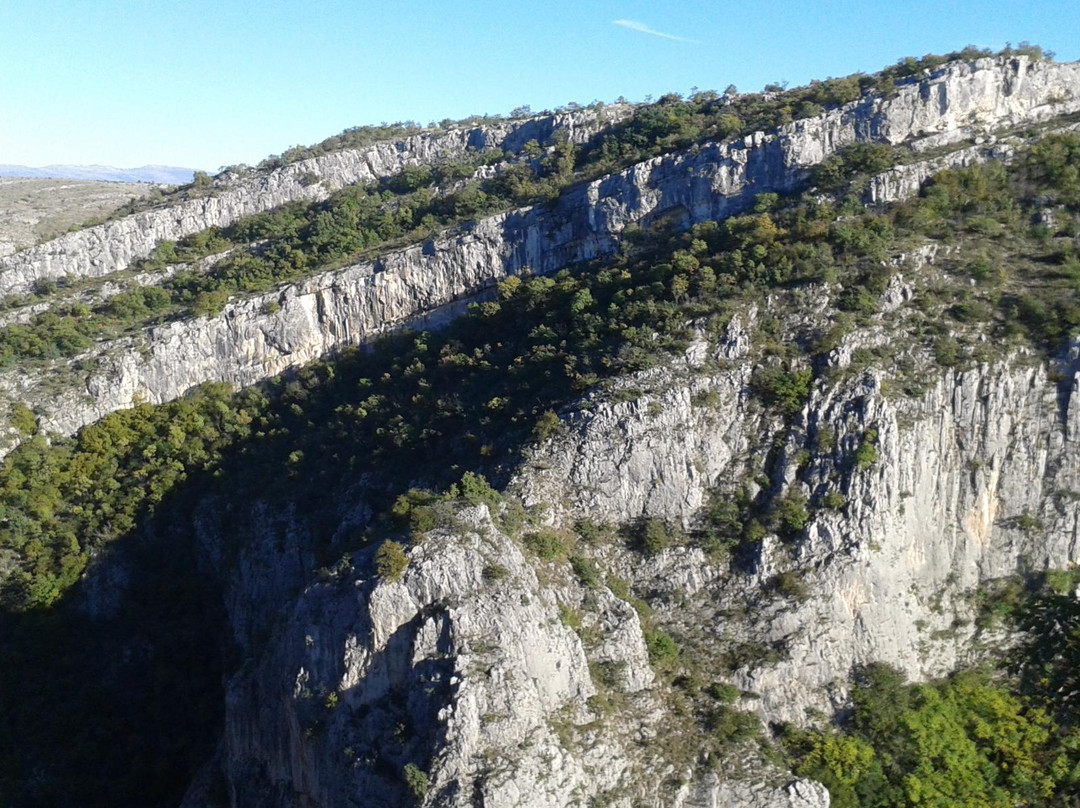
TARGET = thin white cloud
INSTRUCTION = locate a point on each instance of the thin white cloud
(642, 28)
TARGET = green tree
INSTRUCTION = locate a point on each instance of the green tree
(391, 561)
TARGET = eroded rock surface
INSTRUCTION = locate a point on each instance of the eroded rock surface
(110, 247)
(259, 337)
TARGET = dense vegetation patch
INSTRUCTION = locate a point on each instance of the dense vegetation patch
(979, 738)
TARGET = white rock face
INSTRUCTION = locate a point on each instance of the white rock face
(461, 670)
(711, 792)
(977, 479)
(464, 668)
(110, 247)
(426, 284)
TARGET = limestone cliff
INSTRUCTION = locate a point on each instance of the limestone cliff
(422, 284)
(974, 481)
(480, 672)
(467, 670)
(470, 652)
(110, 247)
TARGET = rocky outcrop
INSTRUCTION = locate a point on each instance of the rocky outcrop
(975, 480)
(905, 181)
(257, 338)
(110, 247)
(463, 668)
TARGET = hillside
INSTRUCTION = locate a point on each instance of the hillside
(36, 210)
(715, 452)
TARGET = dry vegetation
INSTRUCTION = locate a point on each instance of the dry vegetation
(35, 210)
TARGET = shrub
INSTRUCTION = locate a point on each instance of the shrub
(857, 160)
(790, 585)
(391, 561)
(570, 617)
(23, 419)
(724, 693)
(709, 399)
(416, 780)
(833, 500)
(546, 544)
(825, 439)
(654, 536)
(593, 532)
(791, 514)
(586, 571)
(753, 532)
(618, 586)
(753, 654)
(1028, 523)
(866, 455)
(946, 351)
(663, 650)
(732, 726)
(785, 390)
(546, 426)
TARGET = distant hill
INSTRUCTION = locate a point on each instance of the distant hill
(167, 175)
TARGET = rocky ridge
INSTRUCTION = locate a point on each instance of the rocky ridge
(259, 337)
(111, 247)
(465, 668)
(948, 506)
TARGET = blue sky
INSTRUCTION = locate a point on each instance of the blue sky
(204, 84)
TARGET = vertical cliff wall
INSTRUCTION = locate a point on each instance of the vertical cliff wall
(110, 247)
(421, 284)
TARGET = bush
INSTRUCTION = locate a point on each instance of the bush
(586, 571)
(546, 544)
(546, 425)
(732, 726)
(790, 585)
(23, 419)
(663, 650)
(654, 536)
(791, 514)
(618, 586)
(833, 500)
(724, 693)
(416, 780)
(391, 561)
(866, 455)
(593, 532)
(476, 490)
(787, 391)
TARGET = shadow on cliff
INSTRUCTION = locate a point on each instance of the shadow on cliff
(120, 708)
(114, 696)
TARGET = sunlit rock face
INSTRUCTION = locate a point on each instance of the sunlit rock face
(424, 285)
